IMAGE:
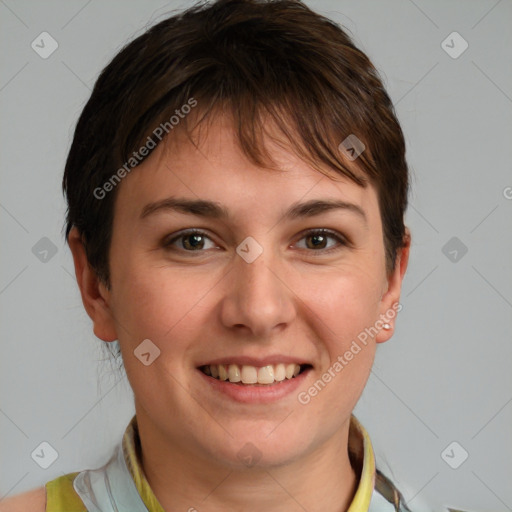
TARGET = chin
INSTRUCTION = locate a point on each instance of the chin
(263, 448)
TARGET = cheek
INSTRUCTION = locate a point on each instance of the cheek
(161, 305)
(342, 306)
(345, 307)
(344, 302)
(164, 307)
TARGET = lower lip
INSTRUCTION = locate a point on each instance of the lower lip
(256, 393)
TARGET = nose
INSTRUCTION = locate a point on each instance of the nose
(258, 301)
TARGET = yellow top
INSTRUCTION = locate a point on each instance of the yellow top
(62, 497)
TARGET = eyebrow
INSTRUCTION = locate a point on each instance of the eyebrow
(211, 209)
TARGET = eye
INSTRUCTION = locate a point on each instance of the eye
(195, 241)
(319, 240)
(190, 241)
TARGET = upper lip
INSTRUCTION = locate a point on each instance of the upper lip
(255, 361)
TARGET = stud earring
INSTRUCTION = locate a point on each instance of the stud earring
(386, 326)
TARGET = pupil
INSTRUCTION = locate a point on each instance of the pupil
(318, 237)
(197, 240)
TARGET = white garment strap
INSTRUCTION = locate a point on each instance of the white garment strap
(110, 488)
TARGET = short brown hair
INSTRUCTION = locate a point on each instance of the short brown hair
(252, 59)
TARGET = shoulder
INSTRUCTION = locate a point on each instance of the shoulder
(57, 495)
(33, 500)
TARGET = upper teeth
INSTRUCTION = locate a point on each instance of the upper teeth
(251, 374)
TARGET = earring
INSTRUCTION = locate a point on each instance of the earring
(386, 326)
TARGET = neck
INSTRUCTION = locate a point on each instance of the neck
(181, 479)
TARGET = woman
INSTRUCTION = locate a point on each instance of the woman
(236, 193)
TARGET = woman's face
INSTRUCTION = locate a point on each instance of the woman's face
(258, 286)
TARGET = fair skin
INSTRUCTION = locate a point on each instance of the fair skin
(298, 301)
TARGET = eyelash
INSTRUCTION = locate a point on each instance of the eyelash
(326, 232)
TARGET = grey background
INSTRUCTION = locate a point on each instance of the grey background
(443, 377)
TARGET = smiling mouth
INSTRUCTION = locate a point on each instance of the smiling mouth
(252, 375)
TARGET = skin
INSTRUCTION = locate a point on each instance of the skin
(294, 300)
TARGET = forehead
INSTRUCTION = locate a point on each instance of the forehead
(214, 167)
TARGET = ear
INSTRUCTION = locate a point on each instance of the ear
(95, 295)
(391, 297)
